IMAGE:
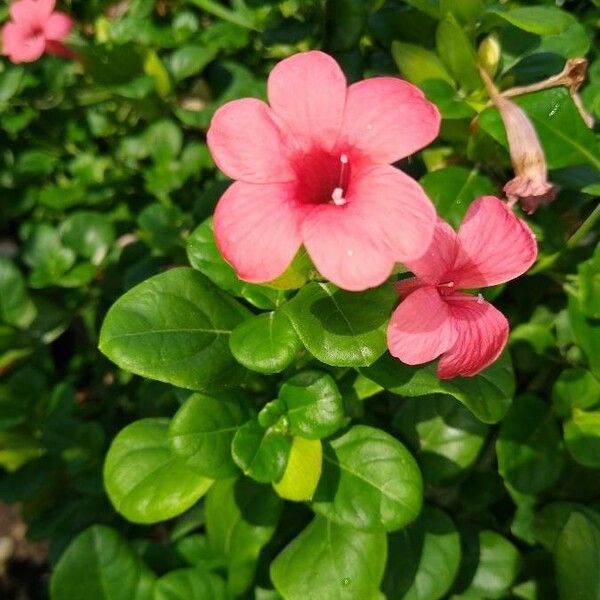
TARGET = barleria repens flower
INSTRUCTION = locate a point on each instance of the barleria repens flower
(35, 28)
(313, 168)
(435, 317)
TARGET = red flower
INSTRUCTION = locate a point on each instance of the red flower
(35, 28)
(435, 318)
(313, 168)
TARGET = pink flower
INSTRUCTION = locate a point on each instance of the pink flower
(313, 168)
(435, 318)
(35, 28)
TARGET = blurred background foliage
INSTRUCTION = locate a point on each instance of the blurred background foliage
(104, 177)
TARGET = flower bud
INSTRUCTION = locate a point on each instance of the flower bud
(488, 54)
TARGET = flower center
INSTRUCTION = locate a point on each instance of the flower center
(323, 177)
(446, 289)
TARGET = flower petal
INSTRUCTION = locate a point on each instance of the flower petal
(482, 332)
(421, 328)
(387, 218)
(257, 229)
(58, 26)
(308, 91)
(395, 209)
(495, 245)
(439, 259)
(28, 13)
(344, 249)
(247, 144)
(387, 119)
(19, 47)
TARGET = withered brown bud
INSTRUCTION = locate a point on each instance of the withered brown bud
(530, 184)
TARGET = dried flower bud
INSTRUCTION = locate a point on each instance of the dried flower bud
(530, 183)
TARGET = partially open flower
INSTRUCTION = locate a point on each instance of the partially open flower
(530, 183)
(36, 28)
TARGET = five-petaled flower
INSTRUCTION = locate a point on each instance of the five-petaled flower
(35, 28)
(313, 168)
(435, 318)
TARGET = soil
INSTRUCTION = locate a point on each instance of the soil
(23, 565)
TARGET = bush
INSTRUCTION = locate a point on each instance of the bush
(182, 415)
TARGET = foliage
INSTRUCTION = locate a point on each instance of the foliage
(235, 440)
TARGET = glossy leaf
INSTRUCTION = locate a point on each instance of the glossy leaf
(184, 584)
(266, 343)
(144, 479)
(582, 437)
(261, 452)
(203, 429)
(423, 559)
(445, 435)
(185, 316)
(487, 395)
(342, 563)
(342, 328)
(529, 449)
(575, 388)
(314, 404)
(100, 564)
(302, 471)
(241, 517)
(370, 481)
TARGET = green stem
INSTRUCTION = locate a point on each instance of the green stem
(217, 10)
(584, 228)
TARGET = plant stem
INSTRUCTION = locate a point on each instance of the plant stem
(217, 10)
(584, 228)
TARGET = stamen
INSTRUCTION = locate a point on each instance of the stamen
(338, 196)
(450, 284)
(479, 298)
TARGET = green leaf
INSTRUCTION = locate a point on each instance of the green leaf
(457, 52)
(266, 343)
(16, 307)
(205, 257)
(566, 139)
(47, 257)
(445, 435)
(241, 517)
(89, 234)
(582, 437)
(174, 327)
(185, 584)
(342, 328)
(589, 285)
(340, 562)
(202, 430)
(452, 189)
(314, 404)
(99, 564)
(587, 334)
(529, 449)
(345, 22)
(418, 64)
(490, 566)
(370, 481)
(487, 395)
(541, 20)
(423, 559)
(577, 559)
(144, 480)
(575, 388)
(260, 452)
(302, 471)
(190, 60)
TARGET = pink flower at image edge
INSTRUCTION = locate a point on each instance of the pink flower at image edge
(435, 318)
(313, 167)
(35, 28)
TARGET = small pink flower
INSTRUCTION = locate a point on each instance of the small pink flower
(313, 168)
(35, 28)
(435, 318)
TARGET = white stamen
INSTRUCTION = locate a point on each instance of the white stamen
(479, 298)
(344, 159)
(338, 196)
